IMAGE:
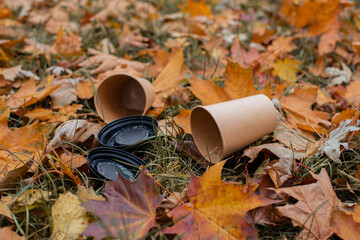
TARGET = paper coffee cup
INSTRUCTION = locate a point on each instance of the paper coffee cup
(122, 95)
(224, 128)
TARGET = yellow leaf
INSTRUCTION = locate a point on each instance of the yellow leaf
(286, 69)
(69, 217)
(86, 194)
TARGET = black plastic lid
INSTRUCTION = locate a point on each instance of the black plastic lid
(107, 163)
(128, 132)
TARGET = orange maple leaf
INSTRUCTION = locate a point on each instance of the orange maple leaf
(320, 15)
(238, 84)
(19, 145)
(217, 209)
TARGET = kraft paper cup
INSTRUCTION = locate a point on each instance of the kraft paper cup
(122, 95)
(224, 128)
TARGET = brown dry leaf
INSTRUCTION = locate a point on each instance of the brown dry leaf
(160, 57)
(343, 115)
(65, 93)
(353, 93)
(105, 62)
(69, 218)
(216, 208)
(4, 206)
(293, 138)
(168, 79)
(320, 15)
(183, 120)
(66, 45)
(346, 222)
(298, 105)
(30, 93)
(11, 73)
(57, 114)
(196, 8)
(328, 41)
(84, 90)
(286, 69)
(278, 171)
(72, 131)
(86, 194)
(316, 205)
(19, 146)
(8, 234)
(59, 18)
(72, 160)
(279, 47)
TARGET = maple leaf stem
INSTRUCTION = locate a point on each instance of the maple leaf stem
(313, 128)
(160, 185)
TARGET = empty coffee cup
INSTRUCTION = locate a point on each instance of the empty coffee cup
(121, 95)
(224, 128)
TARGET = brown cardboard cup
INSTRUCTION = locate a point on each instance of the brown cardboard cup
(121, 95)
(224, 128)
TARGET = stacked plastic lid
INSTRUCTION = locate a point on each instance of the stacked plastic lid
(119, 137)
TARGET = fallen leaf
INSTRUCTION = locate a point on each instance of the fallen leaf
(183, 120)
(343, 116)
(10, 73)
(315, 207)
(168, 79)
(216, 208)
(327, 42)
(105, 62)
(331, 147)
(353, 93)
(84, 90)
(69, 218)
(66, 45)
(72, 131)
(129, 212)
(33, 196)
(346, 222)
(86, 194)
(201, 89)
(279, 171)
(8, 234)
(65, 93)
(4, 206)
(72, 159)
(30, 93)
(338, 76)
(298, 105)
(320, 15)
(57, 114)
(238, 84)
(292, 138)
(196, 8)
(286, 69)
(19, 145)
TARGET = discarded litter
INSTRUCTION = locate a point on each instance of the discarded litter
(107, 163)
(122, 95)
(128, 132)
(224, 128)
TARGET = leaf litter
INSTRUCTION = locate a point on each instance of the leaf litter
(304, 55)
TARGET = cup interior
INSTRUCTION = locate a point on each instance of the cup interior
(120, 96)
(206, 134)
